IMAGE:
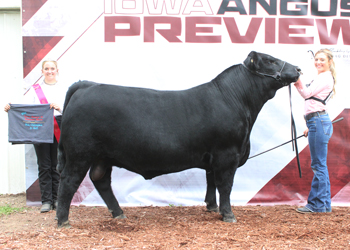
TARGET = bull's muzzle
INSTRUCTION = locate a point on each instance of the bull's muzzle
(299, 70)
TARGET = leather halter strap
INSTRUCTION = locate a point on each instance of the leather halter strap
(276, 76)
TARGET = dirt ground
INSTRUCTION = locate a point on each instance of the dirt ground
(174, 227)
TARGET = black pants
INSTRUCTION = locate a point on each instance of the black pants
(46, 154)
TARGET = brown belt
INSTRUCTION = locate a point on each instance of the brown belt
(309, 116)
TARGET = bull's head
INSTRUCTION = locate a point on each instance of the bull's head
(268, 66)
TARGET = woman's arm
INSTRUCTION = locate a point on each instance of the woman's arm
(321, 82)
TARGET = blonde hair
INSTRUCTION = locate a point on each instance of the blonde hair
(49, 60)
(329, 55)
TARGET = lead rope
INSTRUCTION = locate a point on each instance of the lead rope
(338, 120)
(294, 131)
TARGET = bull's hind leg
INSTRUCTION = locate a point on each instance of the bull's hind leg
(210, 197)
(103, 186)
(71, 177)
(224, 181)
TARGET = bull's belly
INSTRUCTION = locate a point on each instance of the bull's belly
(150, 174)
(159, 166)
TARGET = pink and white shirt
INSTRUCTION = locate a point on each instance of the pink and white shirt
(320, 88)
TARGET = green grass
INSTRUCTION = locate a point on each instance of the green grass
(6, 210)
(172, 205)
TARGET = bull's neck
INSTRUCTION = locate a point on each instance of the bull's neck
(239, 86)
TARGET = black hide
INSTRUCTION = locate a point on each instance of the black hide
(152, 132)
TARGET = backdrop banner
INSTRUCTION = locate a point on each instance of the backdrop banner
(179, 44)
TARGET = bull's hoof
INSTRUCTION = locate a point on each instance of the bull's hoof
(65, 225)
(119, 217)
(229, 219)
(213, 209)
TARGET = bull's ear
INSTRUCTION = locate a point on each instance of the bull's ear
(251, 61)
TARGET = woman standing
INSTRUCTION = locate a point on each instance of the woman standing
(46, 153)
(319, 130)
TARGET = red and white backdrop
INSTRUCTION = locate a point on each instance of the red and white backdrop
(178, 44)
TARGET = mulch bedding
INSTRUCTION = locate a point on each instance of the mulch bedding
(176, 227)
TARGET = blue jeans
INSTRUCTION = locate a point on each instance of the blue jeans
(320, 131)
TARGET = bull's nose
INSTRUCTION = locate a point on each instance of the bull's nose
(299, 70)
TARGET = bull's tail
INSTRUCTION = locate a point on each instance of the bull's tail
(61, 158)
(74, 87)
(61, 155)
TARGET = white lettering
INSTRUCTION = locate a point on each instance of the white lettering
(128, 6)
(108, 7)
(172, 7)
(198, 6)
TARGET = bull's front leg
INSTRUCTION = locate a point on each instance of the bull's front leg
(210, 197)
(224, 181)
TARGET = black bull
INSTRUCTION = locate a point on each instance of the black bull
(152, 132)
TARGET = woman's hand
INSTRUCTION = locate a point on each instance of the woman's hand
(297, 83)
(55, 106)
(7, 107)
(306, 132)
